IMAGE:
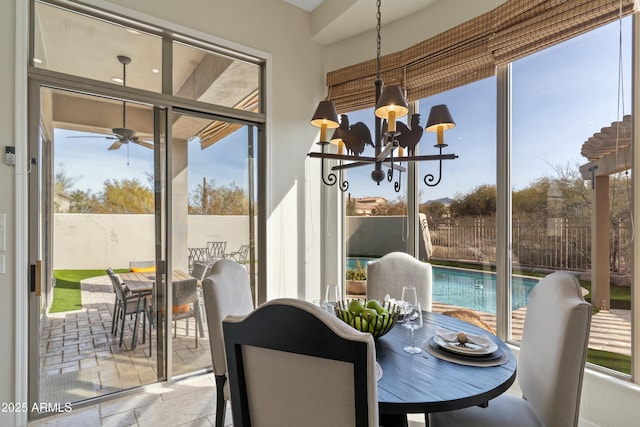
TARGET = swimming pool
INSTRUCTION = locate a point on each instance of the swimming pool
(471, 289)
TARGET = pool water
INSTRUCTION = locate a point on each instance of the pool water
(471, 289)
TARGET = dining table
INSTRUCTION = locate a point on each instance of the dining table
(437, 379)
(144, 282)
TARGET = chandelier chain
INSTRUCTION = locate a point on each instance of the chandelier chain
(378, 40)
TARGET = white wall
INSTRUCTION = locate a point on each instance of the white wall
(7, 206)
(98, 241)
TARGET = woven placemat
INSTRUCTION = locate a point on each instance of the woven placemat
(434, 349)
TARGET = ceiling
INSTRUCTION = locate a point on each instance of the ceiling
(308, 5)
(77, 44)
(336, 20)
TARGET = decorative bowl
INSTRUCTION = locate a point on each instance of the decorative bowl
(365, 321)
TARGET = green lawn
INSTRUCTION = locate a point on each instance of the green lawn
(615, 361)
(66, 293)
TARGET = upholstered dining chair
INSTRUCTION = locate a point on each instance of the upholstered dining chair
(550, 367)
(126, 305)
(389, 274)
(292, 363)
(227, 291)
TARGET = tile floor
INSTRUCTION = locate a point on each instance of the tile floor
(188, 403)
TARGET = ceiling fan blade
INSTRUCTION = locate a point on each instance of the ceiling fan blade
(94, 136)
(142, 143)
(115, 145)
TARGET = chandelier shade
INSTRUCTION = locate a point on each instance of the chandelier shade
(440, 120)
(392, 105)
(325, 118)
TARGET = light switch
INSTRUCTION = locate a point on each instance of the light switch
(10, 155)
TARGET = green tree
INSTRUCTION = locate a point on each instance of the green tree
(126, 196)
(350, 206)
(435, 211)
(84, 202)
(531, 201)
(61, 187)
(481, 201)
(210, 199)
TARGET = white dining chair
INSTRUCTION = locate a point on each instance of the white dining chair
(226, 291)
(550, 366)
(292, 363)
(389, 274)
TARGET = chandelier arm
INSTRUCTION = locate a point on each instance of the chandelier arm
(429, 178)
(344, 184)
(396, 185)
(351, 165)
(390, 170)
(331, 178)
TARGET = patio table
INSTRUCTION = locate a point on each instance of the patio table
(144, 282)
(424, 383)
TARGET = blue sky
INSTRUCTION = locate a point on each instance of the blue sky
(561, 97)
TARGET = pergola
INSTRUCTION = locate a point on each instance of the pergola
(609, 152)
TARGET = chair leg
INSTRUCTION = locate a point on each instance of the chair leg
(199, 318)
(123, 315)
(134, 339)
(144, 324)
(151, 320)
(113, 317)
(221, 404)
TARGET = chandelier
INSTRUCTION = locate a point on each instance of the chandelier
(391, 137)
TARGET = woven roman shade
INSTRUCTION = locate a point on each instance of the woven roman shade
(523, 27)
(471, 51)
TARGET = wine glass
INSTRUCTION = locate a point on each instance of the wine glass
(332, 296)
(412, 321)
(409, 297)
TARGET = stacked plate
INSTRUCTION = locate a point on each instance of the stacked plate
(467, 348)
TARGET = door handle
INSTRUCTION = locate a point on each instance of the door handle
(35, 278)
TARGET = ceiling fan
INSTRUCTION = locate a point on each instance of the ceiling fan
(124, 135)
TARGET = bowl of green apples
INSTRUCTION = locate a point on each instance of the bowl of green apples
(370, 316)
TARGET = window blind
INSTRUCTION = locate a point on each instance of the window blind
(472, 50)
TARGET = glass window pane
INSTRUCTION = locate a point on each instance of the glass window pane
(564, 97)
(212, 186)
(103, 216)
(376, 215)
(72, 43)
(214, 78)
(459, 212)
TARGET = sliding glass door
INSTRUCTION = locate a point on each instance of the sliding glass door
(212, 218)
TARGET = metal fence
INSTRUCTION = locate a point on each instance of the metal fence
(556, 243)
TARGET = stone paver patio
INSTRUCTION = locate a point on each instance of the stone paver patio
(80, 359)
